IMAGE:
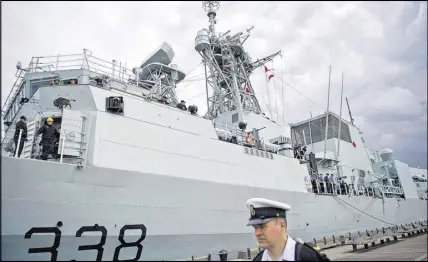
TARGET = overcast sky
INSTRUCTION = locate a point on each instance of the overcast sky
(380, 46)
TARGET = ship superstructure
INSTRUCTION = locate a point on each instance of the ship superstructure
(133, 157)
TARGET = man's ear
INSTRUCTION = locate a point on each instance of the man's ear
(284, 223)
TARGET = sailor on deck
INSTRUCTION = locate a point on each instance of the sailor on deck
(268, 218)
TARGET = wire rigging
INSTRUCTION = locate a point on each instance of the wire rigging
(295, 89)
(364, 212)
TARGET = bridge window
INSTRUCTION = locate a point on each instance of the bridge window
(34, 85)
(70, 82)
(302, 134)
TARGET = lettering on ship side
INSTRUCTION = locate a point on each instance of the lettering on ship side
(259, 153)
(99, 247)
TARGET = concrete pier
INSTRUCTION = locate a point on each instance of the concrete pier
(407, 249)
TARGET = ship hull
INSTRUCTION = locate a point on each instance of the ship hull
(182, 217)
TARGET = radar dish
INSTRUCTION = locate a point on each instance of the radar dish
(163, 55)
(211, 6)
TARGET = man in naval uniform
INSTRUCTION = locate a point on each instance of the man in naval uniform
(268, 218)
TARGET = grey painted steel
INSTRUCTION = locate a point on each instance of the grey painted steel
(184, 217)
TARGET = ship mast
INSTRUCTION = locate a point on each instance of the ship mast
(229, 68)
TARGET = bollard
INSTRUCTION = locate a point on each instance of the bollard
(342, 239)
(223, 255)
(248, 253)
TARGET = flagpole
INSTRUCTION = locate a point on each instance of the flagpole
(340, 120)
(328, 106)
(310, 132)
(282, 94)
(258, 87)
(267, 88)
(276, 93)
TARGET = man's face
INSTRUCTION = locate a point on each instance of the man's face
(270, 233)
(50, 122)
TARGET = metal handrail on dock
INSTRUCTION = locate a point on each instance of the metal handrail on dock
(381, 235)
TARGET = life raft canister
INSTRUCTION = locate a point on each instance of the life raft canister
(249, 139)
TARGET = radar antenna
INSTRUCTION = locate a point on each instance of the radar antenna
(229, 68)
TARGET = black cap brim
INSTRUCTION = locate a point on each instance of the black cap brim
(259, 221)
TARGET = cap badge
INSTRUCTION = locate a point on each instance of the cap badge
(252, 210)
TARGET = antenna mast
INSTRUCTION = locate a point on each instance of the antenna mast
(349, 110)
(229, 68)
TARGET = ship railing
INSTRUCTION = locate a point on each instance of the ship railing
(81, 145)
(8, 144)
(58, 146)
(231, 133)
(327, 188)
(338, 188)
(392, 190)
(114, 70)
(423, 195)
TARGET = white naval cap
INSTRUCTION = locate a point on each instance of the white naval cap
(264, 210)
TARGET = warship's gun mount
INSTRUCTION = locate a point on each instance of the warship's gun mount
(229, 68)
(158, 75)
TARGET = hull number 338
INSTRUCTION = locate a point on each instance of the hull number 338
(99, 247)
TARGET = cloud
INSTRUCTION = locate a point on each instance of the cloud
(380, 46)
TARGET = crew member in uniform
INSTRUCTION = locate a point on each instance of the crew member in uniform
(49, 135)
(21, 124)
(269, 220)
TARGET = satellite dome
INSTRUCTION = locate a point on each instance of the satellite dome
(386, 151)
(386, 154)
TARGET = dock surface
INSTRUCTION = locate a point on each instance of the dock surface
(408, 249)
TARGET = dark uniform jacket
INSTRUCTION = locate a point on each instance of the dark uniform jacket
(303, 252)
(49, 134)
(20, 125)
